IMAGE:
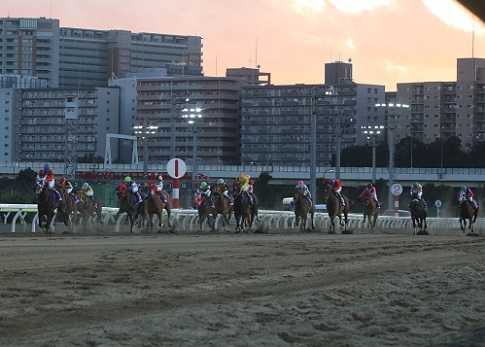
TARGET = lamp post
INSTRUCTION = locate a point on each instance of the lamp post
(391, 109)
(193, 115)
(313, 167)
(372, 132)
(143, 132)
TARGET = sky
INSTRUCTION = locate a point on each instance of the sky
(388, 41)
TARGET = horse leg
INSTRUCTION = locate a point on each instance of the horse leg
(313, 219)
(160, 221)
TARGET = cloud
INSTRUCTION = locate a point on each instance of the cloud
(357, 6)
(390, 66)
(349, 43)
(308, 6)
(454, 15)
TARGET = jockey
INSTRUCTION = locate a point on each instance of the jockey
(134, 188)
(206, 193)
(51, 184)
(159, 188)
(221, 184)
(370, 192)
(417, 191)
(88, 191)
(337, 189)
(303, 189)
(40, 179)
(467, 194)
(122, 188)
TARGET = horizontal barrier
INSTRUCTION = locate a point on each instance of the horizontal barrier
(187, 220)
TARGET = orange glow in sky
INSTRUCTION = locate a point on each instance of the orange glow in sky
(389, 41)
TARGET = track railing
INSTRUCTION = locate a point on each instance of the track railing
(187, 220)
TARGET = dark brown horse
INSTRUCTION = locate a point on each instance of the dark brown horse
(335, 209)
(468, 215)
(126, 203)
(206, 211)
(244, 211)
(303, 207)
(47, 205)
(371, 212)
(419, 214)
(154, 206)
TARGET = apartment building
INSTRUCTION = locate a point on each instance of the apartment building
(59, 125)
(161, 103)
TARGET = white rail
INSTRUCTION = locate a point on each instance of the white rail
(187, 220)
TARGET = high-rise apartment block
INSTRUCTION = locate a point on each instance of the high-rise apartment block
(160, 104)
(80, 58)
(58, 125)
(249, 76)
(338, 72)
(276, 121)
(439, 110)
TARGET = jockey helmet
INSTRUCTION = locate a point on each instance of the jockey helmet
(86, 186)
(49, 172)
(50, 177)
(128, 179)
(221, 181)
(41, 173)
(46, 167)
(160, 178)
(300, 183)
(204, 186)
(370, 186)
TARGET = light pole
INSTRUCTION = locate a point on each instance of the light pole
(143, 132)
(313, 169)
(192, 115)
(372, 132)
(391, 109)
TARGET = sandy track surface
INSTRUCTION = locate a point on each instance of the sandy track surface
(242, 290)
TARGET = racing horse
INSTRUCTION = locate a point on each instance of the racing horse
(222, 205)
(468, 215)
(206, 210)
(89, 209)
(371, 212)
(47, 206)
(335, 208)
(419, 213)
(68, 208)
(303, 207)
(244, 211)
(154, 205)
(126, 202)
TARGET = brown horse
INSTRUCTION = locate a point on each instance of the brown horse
(303, 207)
(335, 209)
(68, 209)
(419, 214)
(371, 212)
(222, 205)
(89, 210)
(154, 205)
(467, 213)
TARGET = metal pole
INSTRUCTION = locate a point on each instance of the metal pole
(412, 149)
(313, 171)
(145, 157)
(390, 141)
(194, 158)
(441, 154)
(338, 149)
(373, 159)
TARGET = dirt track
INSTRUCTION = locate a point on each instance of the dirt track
(240, 290)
